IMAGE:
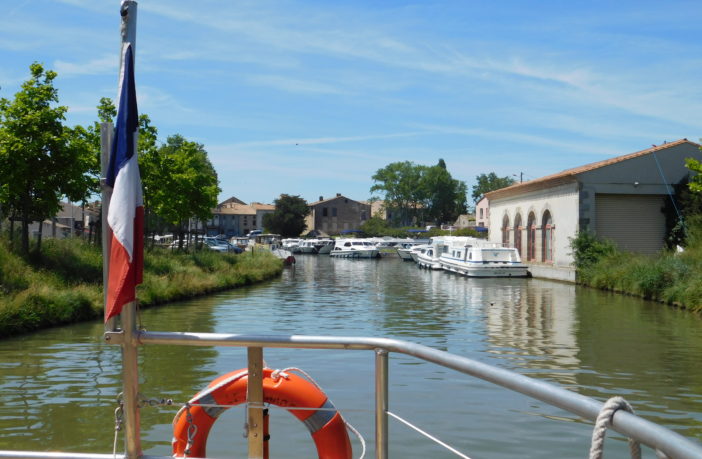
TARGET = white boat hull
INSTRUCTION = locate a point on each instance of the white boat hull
(484, 269)
(404, 254)
(325, 249)
(360, 253)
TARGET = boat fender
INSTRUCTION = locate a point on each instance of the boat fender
(288, 390)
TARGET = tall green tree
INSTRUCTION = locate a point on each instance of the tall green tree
(696, 180)
(446, 196)
(185, 184)
(401, 183)
(489, 182)
(41, 161)
(288, 219)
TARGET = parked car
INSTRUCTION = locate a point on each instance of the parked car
(220, 245)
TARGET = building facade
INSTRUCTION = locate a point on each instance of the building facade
(620, 199)
(236, 218)
(482, 213)
(337, 214)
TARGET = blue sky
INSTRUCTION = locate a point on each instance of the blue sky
(312, 97)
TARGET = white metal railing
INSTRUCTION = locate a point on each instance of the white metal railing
(671, 444)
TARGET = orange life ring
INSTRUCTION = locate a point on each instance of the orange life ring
(327, 427)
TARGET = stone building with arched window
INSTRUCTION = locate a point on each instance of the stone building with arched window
(620, 199)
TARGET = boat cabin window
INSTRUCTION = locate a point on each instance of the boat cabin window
(348, 244)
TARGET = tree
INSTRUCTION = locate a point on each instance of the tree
(41, 161)
(288, 219)
(417, 193)
(184, 184)
(446, 196)
(489, 182)
(695, 181)
(402, 184)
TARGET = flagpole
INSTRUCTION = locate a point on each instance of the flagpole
(130, 369)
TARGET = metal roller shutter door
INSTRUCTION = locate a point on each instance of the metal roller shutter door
(634, 222)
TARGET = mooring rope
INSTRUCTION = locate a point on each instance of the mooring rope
(604, 420)
(429, 436)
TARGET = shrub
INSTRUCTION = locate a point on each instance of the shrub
(588, 249)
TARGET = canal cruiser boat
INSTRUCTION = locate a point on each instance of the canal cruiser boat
(428, 256)
(404, 250)
(306, 246)
(256, 384)
(324, 246)
(475, 257)
(290, 244)
(414, 251)
(354, 248)
(241, 241)
(272, 243)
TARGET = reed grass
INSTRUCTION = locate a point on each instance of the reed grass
(671, 277)
(63, 283)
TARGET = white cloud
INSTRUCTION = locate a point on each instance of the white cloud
(293, 85)
(104, 65)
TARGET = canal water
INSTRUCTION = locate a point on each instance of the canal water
(58, 387)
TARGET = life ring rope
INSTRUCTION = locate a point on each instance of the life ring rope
(207, 402)
(352, 429)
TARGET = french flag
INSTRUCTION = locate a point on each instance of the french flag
(125, 216)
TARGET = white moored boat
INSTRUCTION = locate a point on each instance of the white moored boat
(324, 246)
(475, 257)
(404, 250)
(307, 246)
(354, 248)
(428, 255)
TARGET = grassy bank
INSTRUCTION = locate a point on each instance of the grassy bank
(63, 284)
(671, 277)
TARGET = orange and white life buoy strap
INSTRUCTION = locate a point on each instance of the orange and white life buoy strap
(314, 423)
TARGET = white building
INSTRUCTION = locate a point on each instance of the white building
(620, 199)
(482, 213)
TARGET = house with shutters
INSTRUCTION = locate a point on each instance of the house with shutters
(620, 199)
(234, 217)
(337, 215)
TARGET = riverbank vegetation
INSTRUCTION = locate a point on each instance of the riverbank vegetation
(673, 277)
(62, 283)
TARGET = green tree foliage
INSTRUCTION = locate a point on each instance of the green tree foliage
(489, 182)
(446, 196)
(588, 249)
(688, 203)
(401, 184)
(288, 219)
(41, 160)
(696, 180)
(416, 193)
(182, 184)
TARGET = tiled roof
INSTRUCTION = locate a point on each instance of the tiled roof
(236, 209)
(568, 175)
(312, 204)
(261, 206)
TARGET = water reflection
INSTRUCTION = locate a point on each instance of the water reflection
(58, 387)
(531, 323)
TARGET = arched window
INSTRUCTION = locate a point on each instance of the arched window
(518, 234)
(547, 228)
(505, 231)
(531, 237)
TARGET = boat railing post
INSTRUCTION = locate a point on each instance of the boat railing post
(381, 404)
(130, 344)
(254, 399)
(130, 382)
